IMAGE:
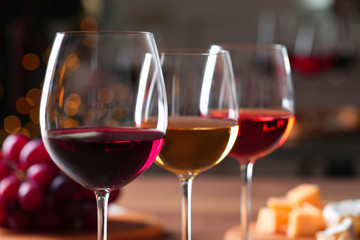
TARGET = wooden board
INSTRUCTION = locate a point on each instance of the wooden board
(123, 224)
(234, 234)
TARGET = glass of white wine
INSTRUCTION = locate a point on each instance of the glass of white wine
(202, 116)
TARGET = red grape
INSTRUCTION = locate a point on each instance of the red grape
(9, 187)
(90, 216)
(42, 173)
(5, 170)
(36, 195)
(12, 146)
(31, 197)
(3, 211)
(73, 210)
(34, 152)
(64, 189)
(19, 220)
(48, 219)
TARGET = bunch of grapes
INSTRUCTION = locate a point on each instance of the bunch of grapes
(35, 195)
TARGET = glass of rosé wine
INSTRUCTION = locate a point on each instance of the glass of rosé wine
(198, 82)
(266, 109)
(101, 90)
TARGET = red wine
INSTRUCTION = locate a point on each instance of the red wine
(311, 65)
(103, 157)
(260, 132)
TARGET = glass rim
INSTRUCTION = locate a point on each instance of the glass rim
(191, 51)
(250, 46)
(104, 32)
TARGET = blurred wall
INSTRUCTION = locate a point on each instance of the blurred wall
(322, 38)
(190, 23)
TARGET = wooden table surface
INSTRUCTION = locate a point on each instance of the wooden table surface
(156, 200)
(216, 199)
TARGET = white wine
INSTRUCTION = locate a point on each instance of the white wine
(195, 144)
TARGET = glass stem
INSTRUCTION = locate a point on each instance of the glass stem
(186, 187)
(102, 198)
(246, 170)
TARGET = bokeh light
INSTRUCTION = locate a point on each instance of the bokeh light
(33, 129)
(66, 122)
(72, 104)
(89, 24)
(71, 108)
(348, 118)
(105, 95)
(12, 124)
(121, 91)
(90, 41)
(34, 96)
(72, 61)
(75, 98)
(34, 115)
(31, 61)
(24, 131)
(23, 106)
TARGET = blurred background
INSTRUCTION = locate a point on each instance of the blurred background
(322, 38)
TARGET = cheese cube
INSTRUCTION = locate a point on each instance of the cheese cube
(318, 214)
(279, 203)
(301, 223)
(271, 221)
(309, 193)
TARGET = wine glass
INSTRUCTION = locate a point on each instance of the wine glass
(266, 109)
(202, 122)
(100, 90)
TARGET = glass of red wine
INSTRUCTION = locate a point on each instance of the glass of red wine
(101, 90)
(266, 109)
(202, 122)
